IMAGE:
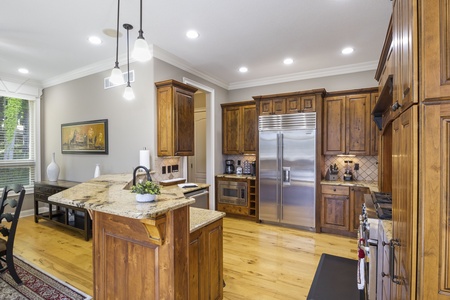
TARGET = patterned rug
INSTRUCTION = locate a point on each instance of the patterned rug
(36, 285)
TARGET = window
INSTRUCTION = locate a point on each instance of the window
(17, 142)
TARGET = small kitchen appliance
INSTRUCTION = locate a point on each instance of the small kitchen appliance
(229, 166)
(348, 175)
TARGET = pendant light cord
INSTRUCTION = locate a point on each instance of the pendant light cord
(117, 35)
(128, 54)
(140, 24)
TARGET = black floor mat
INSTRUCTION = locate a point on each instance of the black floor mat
(335, 279)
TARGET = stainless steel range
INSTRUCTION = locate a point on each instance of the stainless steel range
(378, 207)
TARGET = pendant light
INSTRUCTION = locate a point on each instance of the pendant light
(140, 51)
(116, 77)
(128, 93)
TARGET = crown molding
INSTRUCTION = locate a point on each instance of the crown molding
(183, 65)
(347, 69)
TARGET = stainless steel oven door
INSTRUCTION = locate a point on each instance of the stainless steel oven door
(232, 192)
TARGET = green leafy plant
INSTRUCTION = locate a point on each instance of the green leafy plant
(147, 187)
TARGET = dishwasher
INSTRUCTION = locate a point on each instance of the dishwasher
(201, 198)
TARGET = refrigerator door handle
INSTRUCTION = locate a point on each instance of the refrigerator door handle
(286, 176)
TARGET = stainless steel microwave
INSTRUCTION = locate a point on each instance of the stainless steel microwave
(232, 192)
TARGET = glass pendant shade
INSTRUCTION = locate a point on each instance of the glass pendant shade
(141, 52)
(116, 77)
(128, 94)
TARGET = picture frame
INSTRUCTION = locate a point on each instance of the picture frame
(87, 137)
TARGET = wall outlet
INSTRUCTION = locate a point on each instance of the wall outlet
(356, 168)
(163, 170)
(169, 169)
(174, 168)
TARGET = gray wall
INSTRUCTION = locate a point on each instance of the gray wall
(131, 124)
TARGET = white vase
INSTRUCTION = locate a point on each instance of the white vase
(53, 169)
(145, 197)
(97, 171)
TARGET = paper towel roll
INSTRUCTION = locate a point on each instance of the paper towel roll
(144, 158)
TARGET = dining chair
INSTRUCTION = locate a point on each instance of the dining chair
(11, 216)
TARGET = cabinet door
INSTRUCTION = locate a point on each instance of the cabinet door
(279, 106)
(165, 121)
(374, 132)
(356, 202)
(293, 105)
(249, 129)
(434, 203)
(231, 132)
(334, 125)
(184, 123)
(334, 214)
(308, 103)
(404, 201)
(357, 111)
(265, 107)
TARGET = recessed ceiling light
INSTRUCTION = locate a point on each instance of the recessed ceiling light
(288, 61)
(95, 40)
(243, 69)
(23, 71)
(192, 34)
(347, 50)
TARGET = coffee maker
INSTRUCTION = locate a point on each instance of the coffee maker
(229, 166)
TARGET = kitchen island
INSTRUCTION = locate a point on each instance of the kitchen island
(157, 250)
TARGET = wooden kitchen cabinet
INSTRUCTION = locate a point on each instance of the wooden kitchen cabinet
(206, 262)
(239, 128)
(347, 122)
(356, 201)
(175, 105)
(248, 211)
(288, 103)
(340, 208)
(335, 208)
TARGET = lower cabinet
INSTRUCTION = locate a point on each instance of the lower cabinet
(206, 262)
(383, 277)
(340, 209)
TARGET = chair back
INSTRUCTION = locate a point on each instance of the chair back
(12, 216)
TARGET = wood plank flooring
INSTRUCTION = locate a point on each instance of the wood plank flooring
(260, 261)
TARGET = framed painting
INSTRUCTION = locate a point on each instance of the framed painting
(89, 137)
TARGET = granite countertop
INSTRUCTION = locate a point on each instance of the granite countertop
(387, 226)
(372, 185)
(201, 217)
(234, 176)
(107, 194)
(176, 189)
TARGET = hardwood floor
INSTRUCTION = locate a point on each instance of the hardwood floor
(260, 261)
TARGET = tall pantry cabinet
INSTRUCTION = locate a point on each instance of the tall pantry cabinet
(434, 183)
(418, 124)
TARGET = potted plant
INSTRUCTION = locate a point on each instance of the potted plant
(146, 191)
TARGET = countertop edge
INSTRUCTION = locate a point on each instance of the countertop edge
(200, 217)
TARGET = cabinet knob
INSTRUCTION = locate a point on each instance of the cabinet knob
(395, 106)
(384, 274)
(384, 243)
(334, 190)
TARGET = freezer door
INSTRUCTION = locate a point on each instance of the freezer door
(268, 176)
(298, 178)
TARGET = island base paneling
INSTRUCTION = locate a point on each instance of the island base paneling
(122, 251)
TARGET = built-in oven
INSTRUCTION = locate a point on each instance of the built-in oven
(232, 192)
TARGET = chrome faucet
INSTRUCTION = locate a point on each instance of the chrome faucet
(147, 171)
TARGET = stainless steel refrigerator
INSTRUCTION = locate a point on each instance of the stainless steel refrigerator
(287, 169)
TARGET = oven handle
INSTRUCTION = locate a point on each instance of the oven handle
(393, 244)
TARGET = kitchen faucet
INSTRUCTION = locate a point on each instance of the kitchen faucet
(149, 178)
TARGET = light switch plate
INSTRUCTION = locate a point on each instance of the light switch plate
(163, 170)
(174, 168)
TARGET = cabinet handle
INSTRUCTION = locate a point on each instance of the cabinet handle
(384, 243)
(384, 274)
(406, 92)
(393, 244)
(396, 106)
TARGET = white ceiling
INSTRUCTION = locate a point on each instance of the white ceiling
(49, 37)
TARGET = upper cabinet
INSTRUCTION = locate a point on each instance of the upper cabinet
(239, 128)
(289, 103)
(347, 125)
(175, 101)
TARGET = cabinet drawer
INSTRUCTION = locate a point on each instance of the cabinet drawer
(335, 190)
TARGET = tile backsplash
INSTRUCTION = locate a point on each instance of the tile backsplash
(368, 166)
(166, 161)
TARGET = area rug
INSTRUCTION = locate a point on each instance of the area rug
(36, 285)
